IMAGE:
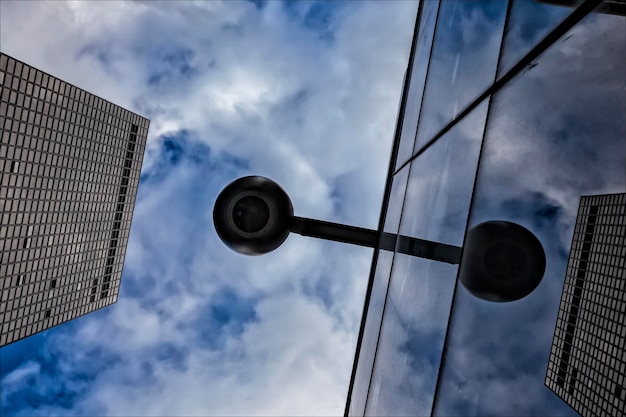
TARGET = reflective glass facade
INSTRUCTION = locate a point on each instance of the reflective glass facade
(69, 170)
(510, 111)
(587, 367)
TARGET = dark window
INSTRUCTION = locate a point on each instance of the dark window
(572, 381)
(47, 314)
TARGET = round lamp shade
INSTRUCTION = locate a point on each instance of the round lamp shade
(502, 261)
(253, 215)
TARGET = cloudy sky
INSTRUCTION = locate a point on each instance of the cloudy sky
(303, 93)
(307, 94)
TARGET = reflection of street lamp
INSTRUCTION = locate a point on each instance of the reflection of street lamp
(502, 261)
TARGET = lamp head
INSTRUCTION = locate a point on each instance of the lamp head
(502, 261)
(253, 215)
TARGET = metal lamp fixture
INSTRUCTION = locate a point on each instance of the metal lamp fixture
(502, 261)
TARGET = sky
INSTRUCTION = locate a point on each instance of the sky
(304, 93)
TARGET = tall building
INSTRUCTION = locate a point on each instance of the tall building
(587, 367)
(510, 110)
(69, 170)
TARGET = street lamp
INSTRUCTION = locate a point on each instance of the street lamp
(502, 261)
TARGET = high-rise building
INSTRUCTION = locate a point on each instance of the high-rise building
(69, 170)
(587, 367)
(510, 111)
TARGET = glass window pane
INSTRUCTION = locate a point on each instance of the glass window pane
(396, 201)
(463, 61)
(420, 291)
(528, 23)
(413, 103)
(414, 324)
(370, 333)
(440, 183)
(555, 133)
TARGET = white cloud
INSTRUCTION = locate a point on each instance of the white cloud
(18, 379)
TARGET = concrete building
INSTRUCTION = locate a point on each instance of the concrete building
(69, 170)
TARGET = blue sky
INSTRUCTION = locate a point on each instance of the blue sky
(304, 93)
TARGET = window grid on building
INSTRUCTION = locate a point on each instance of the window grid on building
(587, 366)
(69, 170)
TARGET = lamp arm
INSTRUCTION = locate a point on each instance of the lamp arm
(371, 238)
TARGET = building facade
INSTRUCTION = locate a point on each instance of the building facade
(511, 110)
(69, 170)
(587, 367)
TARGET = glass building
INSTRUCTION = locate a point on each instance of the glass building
(587, 367)
(69, 169)
(511, 110)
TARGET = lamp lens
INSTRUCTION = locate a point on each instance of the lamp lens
(505, 261)
(251, 214)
